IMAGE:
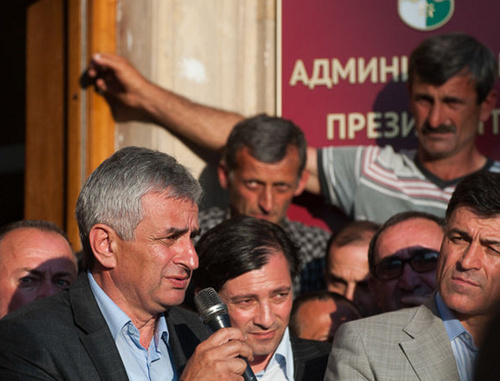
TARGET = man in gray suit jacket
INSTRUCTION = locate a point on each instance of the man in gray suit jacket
(137, 214)
(438, 340)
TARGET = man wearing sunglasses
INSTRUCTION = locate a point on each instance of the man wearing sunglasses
(402, 258)
(440, 339)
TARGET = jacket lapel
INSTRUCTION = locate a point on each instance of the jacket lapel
(309, 359)
(429, 350)
(95, 335)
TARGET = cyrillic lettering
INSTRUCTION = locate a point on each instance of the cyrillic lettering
(320, 74)
(393, 69)
(407, 124)
(299, 74)
(367, 70)
(404, 68)
(494, 121)
(349, 71)
(392, 124)
(355, 122)
(330, 126)
(372, 125)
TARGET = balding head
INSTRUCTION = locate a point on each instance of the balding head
(36, 261)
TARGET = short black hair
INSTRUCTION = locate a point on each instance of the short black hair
(441, 57)
(479, 192)
(237, 246)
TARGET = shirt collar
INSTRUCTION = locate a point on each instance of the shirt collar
(283, 357)
(453, 326)
(117, 319)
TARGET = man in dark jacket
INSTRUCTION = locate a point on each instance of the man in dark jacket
(251, 263)
(137, 214)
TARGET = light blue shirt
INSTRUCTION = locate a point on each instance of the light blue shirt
(281, 364)
(152, 364)
(461, 340)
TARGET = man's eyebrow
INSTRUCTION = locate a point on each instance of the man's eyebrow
(450, 98)
(175, 231)
(61, 273)
(490, 242)
(33, 271)
(456, 230)
(243, 296)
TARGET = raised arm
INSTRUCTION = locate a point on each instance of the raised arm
(132, 97)
(313, 184)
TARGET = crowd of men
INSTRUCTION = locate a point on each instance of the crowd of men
(408, 290)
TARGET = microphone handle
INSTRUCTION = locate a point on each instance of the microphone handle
(222, 321)
(248, 374)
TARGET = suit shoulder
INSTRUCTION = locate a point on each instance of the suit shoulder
(384, 327)
(310, 358)
(54, 308)
(183, 319)
(312, 347)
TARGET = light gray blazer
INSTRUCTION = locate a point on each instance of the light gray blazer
(409, 344)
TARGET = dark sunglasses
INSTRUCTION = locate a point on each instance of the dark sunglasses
(424, 260)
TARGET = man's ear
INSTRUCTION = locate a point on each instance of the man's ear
(304, 176)
(488, 105)
(103, 243)
(223, 173)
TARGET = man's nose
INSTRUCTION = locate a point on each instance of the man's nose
(264, 317)
(437, 115)
(408, 279)
(266, 199)
(46, 289)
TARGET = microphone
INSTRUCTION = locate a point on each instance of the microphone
(214, 314)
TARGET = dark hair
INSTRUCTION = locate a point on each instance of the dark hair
(441, 57)
(322, 295)
(44, 226)
(112, 194)
(237, 246)
(394, 220)
(267, 139)
(480, 192)
(353, 232)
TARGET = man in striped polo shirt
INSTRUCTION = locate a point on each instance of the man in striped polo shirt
(451, 85)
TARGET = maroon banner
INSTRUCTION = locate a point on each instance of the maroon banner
(342, 67)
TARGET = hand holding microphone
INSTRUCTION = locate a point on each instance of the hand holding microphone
(214, 314)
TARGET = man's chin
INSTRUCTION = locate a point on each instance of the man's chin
(267, 217)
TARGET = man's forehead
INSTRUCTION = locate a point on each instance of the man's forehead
(31, 243)
(245, 159)
(49, 267)
(459, 83)
(465, 219)
(271, 277)
(401, 237)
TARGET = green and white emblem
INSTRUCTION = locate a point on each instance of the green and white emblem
(425, 14)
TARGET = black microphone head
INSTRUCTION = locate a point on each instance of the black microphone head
(213, 311)
(209, 304)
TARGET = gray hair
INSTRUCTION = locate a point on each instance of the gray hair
(112, 194)
(267, 139)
